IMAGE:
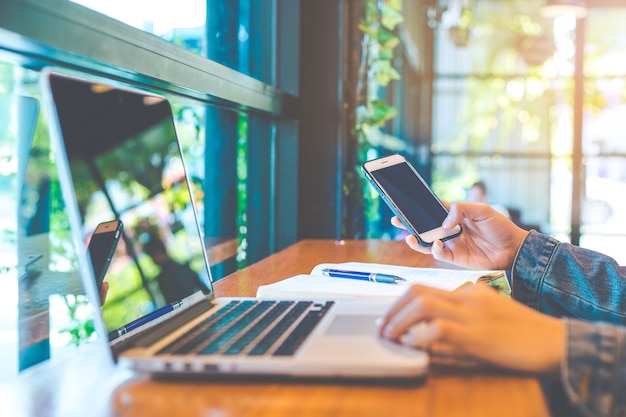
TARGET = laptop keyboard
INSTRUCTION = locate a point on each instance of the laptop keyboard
(252, 327)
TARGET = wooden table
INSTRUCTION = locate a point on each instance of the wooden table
(87, 385)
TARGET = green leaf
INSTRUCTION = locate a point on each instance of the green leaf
(373, 136)
(384, 36)
(390, 45)
(385, 73)
(385, 53)
(383, 65)
(390, 18)
(371, 9)
(369, 29)
(394, 4)
(382, 112)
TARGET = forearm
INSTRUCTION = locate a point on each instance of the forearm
(589, 289)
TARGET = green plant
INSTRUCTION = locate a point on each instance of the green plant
(376, 71)
(81, 329)
(242, 190)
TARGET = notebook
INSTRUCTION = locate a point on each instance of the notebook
(118, 157)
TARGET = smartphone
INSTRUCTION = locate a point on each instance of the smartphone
(409, 198)
(102, 247)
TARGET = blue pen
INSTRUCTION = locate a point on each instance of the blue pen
(148, 317)
(363, 276)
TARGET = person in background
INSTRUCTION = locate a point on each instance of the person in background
(186, 282)
(477, 193)
(566, 320)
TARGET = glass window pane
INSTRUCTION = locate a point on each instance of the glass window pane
(517, 184)
(502, 109)
(181, 22)
(604, 121)
(43, 308)
(492, 37)
(237, 34)
(214, 145)
(493, 115)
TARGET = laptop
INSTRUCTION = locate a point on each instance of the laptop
(119, 157)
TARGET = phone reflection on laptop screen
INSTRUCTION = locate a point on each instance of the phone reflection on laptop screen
(125, 163)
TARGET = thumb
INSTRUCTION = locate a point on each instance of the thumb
(454, 217)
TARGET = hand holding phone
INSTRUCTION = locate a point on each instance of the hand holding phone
(409, 198)
(102, 247)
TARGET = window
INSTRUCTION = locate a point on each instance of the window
(603, 150)
(495, 94)
(182, 23)
(503, 95)
(235, 116)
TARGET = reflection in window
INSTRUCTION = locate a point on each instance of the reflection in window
(125, 163)
(43, 309)
(220, 188)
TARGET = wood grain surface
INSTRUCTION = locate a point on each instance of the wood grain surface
(86, 383)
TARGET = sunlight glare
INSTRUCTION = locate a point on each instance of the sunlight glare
(160, 16)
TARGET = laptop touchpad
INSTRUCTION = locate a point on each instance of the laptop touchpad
(346, 325)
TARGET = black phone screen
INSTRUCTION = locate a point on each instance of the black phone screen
(101, 248)
(411, 196)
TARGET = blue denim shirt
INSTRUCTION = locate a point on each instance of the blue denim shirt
(588, 290)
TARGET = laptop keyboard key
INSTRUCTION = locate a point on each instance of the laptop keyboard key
(199, 334)
(240, 324)
(280, 328)
(270, 318)
(302, 331)
(236, 329)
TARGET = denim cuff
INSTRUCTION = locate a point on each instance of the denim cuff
(530, 266)
(593, 372)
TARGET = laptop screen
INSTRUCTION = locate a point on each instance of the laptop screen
(126, 164)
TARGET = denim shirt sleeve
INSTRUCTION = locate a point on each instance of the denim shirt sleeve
(588, 290)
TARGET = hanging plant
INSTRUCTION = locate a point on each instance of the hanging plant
(376, 70)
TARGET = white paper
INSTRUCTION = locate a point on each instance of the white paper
(318, 285)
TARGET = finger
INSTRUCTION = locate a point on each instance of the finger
(420, 308)
(460, 211)
(472, 211)
(432, 336)
(393, 311)
(397, 223)
(445, 337)
(104, 289)
(414, 244)
(409, 296)
(454, 216)
(419, 335)
(440, 252)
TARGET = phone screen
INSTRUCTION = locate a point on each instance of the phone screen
(411, 196)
